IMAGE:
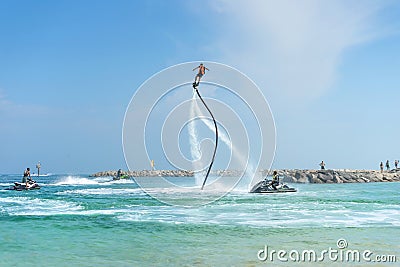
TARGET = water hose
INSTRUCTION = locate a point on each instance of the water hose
(216, 137)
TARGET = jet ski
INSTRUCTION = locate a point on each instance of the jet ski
(125, 176)
(22, 186)
(265, 187)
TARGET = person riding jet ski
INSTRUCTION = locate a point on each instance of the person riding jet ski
(275, 180)
(27, 182)
(271, 186)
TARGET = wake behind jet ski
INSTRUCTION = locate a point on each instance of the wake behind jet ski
(271, 186)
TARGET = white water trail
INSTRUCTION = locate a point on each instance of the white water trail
(194, 142)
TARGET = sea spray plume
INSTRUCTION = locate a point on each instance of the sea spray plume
(194, 140)
(74, 180)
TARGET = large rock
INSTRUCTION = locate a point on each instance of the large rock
(337, 179)
(302, 177)
(325, 176)
(289, 179)
(316, 180)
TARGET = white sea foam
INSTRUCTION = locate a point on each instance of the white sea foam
(75, 180)
(109, 181)
(298, 210)
(194, 141)
(25, 206)
(103, 212)
(102, 191)
(103, 179)
(273, 215)
(121, 181)
(40, 207)
(33, 175)
(185, 190)
(263, 215)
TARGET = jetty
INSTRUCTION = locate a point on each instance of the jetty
(338, 176)
(288, 176)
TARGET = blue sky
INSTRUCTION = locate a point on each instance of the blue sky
(68, 69)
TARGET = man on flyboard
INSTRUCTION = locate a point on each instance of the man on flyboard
(202, 71)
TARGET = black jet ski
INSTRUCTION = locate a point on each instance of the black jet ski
(265, 186)
(22, 186)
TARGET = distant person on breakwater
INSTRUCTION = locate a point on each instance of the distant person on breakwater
(396, 162)
(322, 164)
(381, 166)
(387, 165)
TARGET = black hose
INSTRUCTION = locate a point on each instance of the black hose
(216, 138)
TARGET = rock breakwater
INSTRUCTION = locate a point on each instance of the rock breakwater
(147, 173)
(289, 176)
(338, 176)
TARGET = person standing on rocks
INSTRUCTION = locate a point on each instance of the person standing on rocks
(322, 164)
(396, 162)
(381, 166)
(387, 165)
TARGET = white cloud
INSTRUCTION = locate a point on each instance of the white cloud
(292, 48)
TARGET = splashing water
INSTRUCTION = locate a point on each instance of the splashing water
(194, 142)
(249, 170)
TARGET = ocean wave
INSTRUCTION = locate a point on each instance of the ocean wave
(259, 215)
(74, 180)
(260, 223)
(26, 206)
(17, 206)
(264, 216)
(78, 180)
(102, 191)
(33, 175)
(122, 181)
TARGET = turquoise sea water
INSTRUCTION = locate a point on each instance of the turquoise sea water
(75, 220)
